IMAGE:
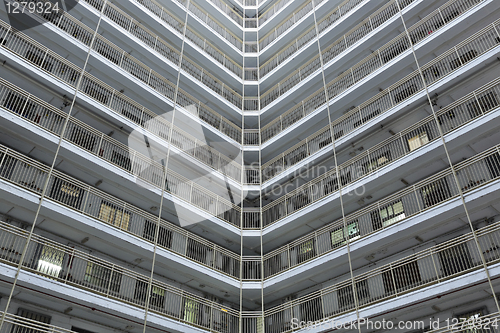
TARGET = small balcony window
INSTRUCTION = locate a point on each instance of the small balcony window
(418, 141)
(114, 215)
(339, 237)
(66, 193)
(388, 215)
(306, 251)
(50, 261)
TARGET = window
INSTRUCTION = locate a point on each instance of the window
(132, 116)
(377, 162)
(273, 265)
(114, 215)
(31, 315)
(191, 311)
(454, 260)
(325, 143)
(21, 106)
(306, 251)
(37, 59)
(387, 215)
(102, 277)
(403, 277)
(66, 193)
(435, 192)
(50, 261)
(418, 141)
(371, 115)
(339, 237)
(94, 93)
(330, 185)
(300, 200)
(405, 91)
(298, 155)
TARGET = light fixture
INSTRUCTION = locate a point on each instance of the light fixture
(85, 240)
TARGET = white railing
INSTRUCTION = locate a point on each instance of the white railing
(434, 71)
(379, 58)
(440, 67)
(431, 266)
(451, 118)
(30, 175)
(154, 42)
(77, 268)
(287, 51)
(119, 103)
(156, 8)
(50, 118)
(218, 27)
(178, 26)
(289, 23)
(234, 14)
(21, 43)
(330, 53)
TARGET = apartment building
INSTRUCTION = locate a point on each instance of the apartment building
(251, 166)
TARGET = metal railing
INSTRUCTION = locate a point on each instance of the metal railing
(251, 137)
(437, 69)
(30, 175)
(174, 23)
(329, 54)
(154, 42)
(70, 266)
(364, 222)
(419, 32)
(59, 67)
(433, 71)
(251, 321)
(289, 23)
(229, 11)
(218, 27)
(50, 118)
(287, 51)
(100, 92)
(428, 267)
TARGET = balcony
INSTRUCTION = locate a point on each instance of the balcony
(392, 52)
(121, 108)
(232, 101)
(438, 265)
(387, 100)
(366, 225)
(64, 70)
(375, 23)
(65, 267)
(198, 43)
